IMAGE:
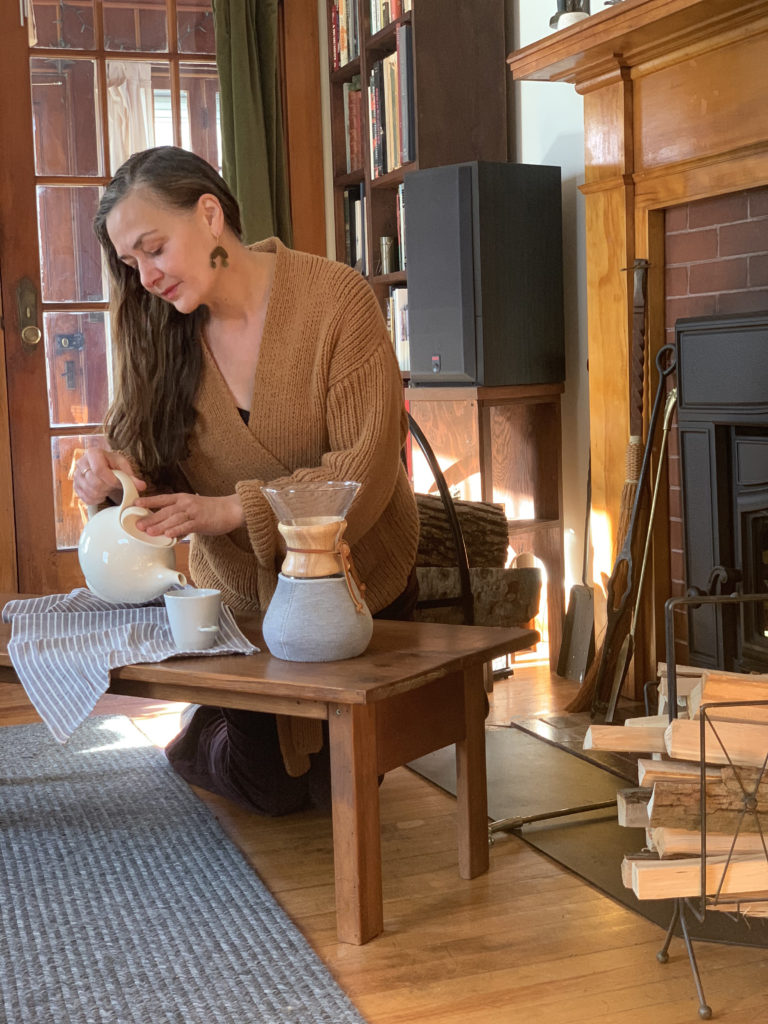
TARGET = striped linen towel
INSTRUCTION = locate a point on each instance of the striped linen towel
(63, 646)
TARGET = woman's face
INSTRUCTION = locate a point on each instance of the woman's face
(170, 248)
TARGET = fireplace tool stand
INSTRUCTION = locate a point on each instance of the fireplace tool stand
(708, 728)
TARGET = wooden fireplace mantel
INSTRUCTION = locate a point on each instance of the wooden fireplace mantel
(636, 32)
(674, 110)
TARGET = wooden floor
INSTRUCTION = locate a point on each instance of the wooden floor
(526, 943)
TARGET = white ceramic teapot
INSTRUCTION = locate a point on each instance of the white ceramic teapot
(120, 563)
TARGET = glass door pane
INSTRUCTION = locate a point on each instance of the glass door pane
(118, 88)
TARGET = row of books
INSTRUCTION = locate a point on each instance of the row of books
(391, 122)
(345, 26)
(354, 228)
(345, 32)
(385, 11)
(355, 253)
(397, 322)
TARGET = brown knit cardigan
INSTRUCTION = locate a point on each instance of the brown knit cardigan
(327, 405)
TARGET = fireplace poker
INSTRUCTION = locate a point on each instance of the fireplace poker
(622, 575)
(628, 646)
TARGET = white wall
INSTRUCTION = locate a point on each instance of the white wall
(549, 129)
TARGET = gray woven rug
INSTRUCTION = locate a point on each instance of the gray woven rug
(122, 901)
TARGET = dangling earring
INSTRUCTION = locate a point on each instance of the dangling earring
(219, 251)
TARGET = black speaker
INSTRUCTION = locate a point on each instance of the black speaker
(485, 274)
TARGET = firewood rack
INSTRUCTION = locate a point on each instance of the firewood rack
(697, 907)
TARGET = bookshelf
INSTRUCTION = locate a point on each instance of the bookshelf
(439, 70)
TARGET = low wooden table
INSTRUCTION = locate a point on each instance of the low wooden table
(417, 688)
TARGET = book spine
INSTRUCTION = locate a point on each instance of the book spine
(348, 218)
(345, 102)
(400, 211)
(372, 126)
(363, 231)
(343, 37)
(353, 31)
(335, 55)
(405, 93)
(355, 143)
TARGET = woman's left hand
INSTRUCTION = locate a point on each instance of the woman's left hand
(176, 515)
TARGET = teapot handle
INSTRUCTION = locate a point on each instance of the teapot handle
(130, 494)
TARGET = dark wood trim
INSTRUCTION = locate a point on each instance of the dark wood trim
(303, 118)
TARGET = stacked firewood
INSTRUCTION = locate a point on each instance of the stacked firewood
(502, 596)
(730, 830)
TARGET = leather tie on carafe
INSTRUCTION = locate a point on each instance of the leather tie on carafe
(345, 555)
(342, 549)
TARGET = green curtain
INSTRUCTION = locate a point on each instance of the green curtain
(253, 158)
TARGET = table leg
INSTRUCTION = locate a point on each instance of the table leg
(471, 785)
(356, 826)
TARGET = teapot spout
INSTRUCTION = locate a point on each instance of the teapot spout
(167, 578)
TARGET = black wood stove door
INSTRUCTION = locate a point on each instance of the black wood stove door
(723, 432)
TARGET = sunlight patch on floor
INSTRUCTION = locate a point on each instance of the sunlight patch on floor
(160, 728)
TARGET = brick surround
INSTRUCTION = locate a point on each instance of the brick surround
(716, 262)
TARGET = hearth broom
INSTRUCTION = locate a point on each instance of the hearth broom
(577, 650)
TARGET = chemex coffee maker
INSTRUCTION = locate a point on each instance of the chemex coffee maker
(318, 611)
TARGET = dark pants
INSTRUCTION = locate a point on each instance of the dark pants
(237, 753)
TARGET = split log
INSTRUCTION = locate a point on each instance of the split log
(651, 771)
(662, 670)
(644, 720)
(632, 806)
(670, 842)
(648, 739)
(717, 675)
(725, 687)
(754, 906)
(742, 744)
(655, 879)
(502, 597)
(677, 804)
(686, 677)
(483, 524)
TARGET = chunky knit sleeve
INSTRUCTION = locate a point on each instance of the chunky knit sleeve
(365, 414)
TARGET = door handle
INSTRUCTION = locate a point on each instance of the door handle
(26, 298)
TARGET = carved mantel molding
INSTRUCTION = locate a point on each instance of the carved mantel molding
(674, 110)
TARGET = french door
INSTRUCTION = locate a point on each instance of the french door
(83, 84)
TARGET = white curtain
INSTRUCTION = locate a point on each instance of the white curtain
(129, 109)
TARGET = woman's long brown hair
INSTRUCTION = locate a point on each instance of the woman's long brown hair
(157, 351)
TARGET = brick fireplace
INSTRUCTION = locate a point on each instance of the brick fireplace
(716, 266)
(676, 173)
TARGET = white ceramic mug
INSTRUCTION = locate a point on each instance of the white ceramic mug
(194, 617)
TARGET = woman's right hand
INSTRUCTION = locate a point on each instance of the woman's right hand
(94, 480)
